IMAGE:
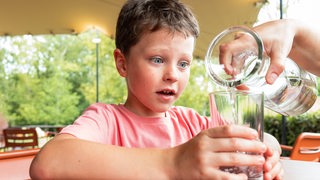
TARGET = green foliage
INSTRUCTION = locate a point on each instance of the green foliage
(318, 82)
(272, 125)
(295, 125)
(51, 79)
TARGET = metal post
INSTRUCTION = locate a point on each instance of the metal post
(97, 72)
(284, 130)
(284, 118)
(97, 40)
(281, 9)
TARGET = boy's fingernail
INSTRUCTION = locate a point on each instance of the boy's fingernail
(254, 134)
(264, 148)
(268, 166)
(261, 160)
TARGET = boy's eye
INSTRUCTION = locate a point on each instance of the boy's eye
(157, 60)
(184, 64)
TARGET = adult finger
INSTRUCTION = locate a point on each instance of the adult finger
(275, 69)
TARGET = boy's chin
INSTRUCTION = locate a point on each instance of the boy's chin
(163, 108)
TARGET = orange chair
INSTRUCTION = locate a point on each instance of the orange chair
(305, 148)
(20, 138)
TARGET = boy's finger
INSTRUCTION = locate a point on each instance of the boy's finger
(232, 131)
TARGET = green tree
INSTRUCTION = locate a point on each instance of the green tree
(35, 91)
(51, 79)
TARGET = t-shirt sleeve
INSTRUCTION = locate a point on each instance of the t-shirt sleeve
(195, 120)
(208, 122)
(216, 119)
(91, 125)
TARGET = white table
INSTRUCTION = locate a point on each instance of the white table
(300, 170)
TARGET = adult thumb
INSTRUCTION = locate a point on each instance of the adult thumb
(275, 69)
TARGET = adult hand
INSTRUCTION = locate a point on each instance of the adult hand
(277, 38)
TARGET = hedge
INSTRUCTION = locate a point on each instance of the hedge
(295, 125)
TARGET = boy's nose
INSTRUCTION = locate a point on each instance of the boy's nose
(171, 74)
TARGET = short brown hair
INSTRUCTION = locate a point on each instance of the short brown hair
(139, 16)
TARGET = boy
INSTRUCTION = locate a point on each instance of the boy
(147, 137)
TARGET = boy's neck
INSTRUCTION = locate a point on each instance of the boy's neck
(145, 113)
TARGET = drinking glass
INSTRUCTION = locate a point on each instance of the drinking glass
(242, 108)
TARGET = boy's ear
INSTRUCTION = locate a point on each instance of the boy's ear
(120, 61)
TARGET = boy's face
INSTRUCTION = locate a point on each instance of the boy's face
(157, 70)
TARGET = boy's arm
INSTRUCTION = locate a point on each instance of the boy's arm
(69, 157)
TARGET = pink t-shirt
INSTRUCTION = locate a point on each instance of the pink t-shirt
(116, 125)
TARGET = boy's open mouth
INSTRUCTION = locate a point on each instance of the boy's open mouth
(166, 92)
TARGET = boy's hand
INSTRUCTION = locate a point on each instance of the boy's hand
(201, 157)
(272, 167)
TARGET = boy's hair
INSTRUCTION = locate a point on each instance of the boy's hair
(142, 16)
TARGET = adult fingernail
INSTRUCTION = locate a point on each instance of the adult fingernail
(272, 77)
